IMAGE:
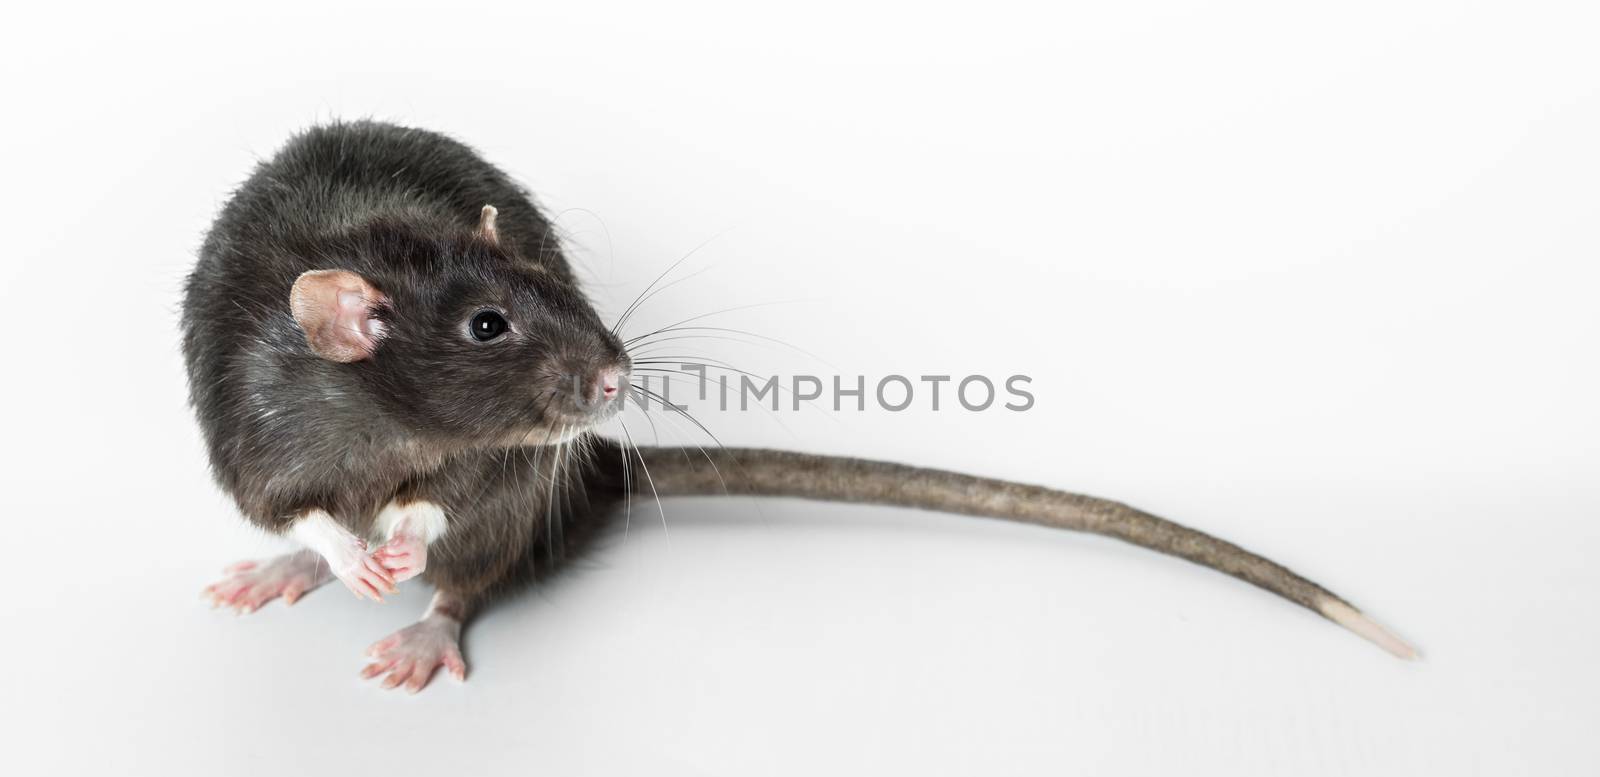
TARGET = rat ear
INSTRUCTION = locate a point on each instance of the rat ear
(335, 308)
(486, 228)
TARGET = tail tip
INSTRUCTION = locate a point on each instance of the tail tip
(1367, 628)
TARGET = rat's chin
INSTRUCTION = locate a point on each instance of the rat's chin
(568, 433)
(586, 417)
(553, 433)
(560, 429)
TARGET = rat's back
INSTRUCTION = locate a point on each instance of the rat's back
(338, 175)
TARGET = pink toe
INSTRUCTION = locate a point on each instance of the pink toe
(376, 668)
(399, 675)
(361, 589)
(453, 663)
(376, 570)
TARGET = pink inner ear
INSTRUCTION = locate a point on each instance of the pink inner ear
(334, 307)
(353, 315)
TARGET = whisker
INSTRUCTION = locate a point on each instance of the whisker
(647, 297)
(697, 446)
(724, 338)
(652, 481)
(506, 459)
(763, 408)
(732, 330)
(777, 385)
(708, 315)
(627, 486)
(644, 408)
(643, 295)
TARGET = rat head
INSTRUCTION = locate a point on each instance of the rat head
(462, 340)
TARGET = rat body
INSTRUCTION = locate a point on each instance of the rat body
(367, 345)
(393, 364)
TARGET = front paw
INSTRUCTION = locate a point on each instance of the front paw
(404, 556)
(364, 575)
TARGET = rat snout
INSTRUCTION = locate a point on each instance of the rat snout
(595, 390)
(605, 385)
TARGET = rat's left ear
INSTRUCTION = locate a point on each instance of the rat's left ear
(486, 228)
(335, 309)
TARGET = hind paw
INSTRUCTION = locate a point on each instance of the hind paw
(251, 584)
(411, 655)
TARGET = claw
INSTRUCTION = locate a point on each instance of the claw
(454, 664)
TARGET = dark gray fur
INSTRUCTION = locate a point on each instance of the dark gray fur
(432, 413)
(431, 417)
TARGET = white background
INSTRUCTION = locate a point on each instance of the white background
(1319, 280)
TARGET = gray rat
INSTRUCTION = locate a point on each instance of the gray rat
(393, 364)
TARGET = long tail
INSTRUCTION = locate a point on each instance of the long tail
(690, 471)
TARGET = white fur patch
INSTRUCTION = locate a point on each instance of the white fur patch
(424, 520)
(318, 531)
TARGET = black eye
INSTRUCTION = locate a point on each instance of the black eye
(487, 325)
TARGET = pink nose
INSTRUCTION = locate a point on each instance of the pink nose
(610, 382)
